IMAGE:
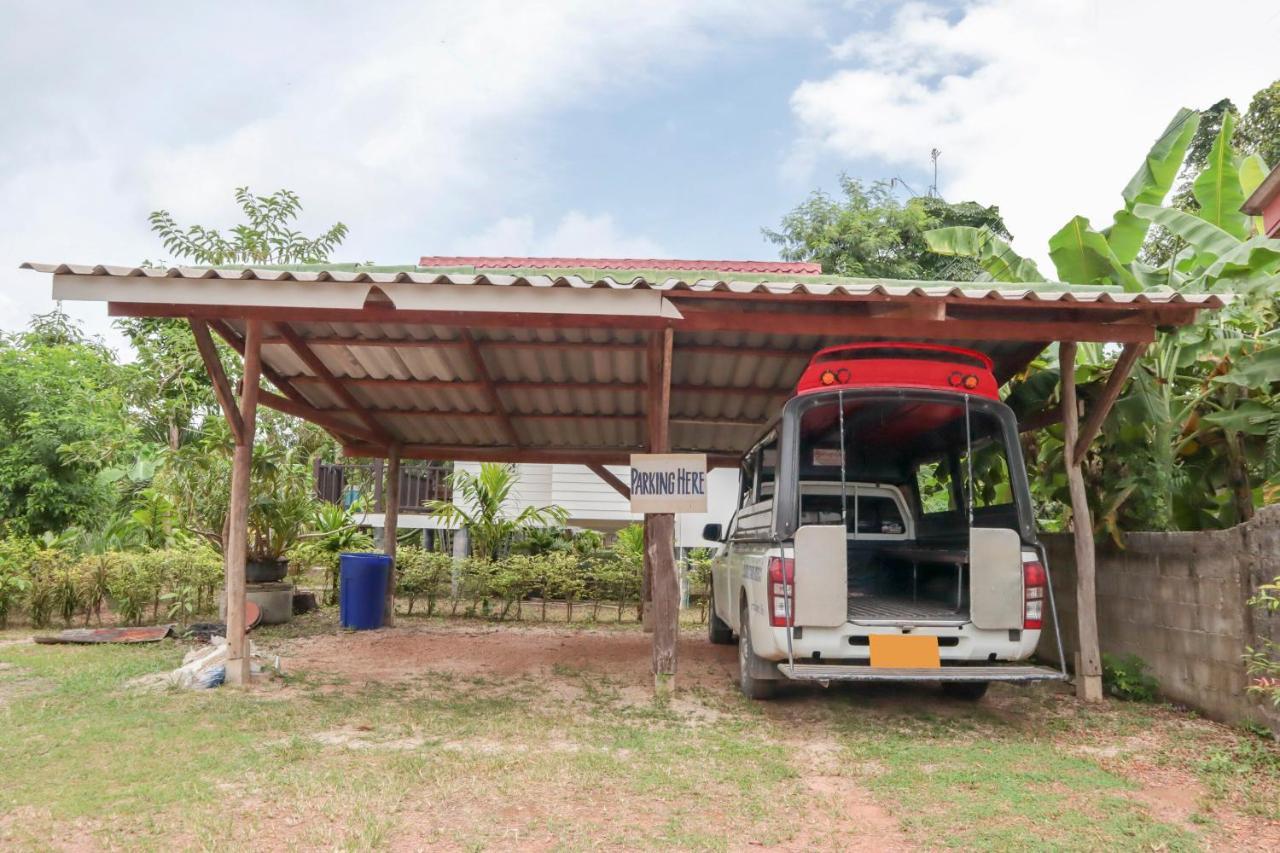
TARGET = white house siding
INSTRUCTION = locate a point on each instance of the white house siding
(593, 504)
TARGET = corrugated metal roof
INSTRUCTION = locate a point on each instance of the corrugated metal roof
(819, 286)
(583, 388)
(507, 263)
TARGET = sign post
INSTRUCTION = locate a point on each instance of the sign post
(663, 484)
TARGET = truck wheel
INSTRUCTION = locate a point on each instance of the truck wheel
(969, 691)
(752, 687)
(718, 631)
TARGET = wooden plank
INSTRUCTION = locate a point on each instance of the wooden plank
(490, 391)
(1089, 668)
(391, 517)
(1110, 393)
(611, 480)
(218, 375)
(236, 547)
(319, 368)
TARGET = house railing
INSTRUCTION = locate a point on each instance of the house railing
(350, 483)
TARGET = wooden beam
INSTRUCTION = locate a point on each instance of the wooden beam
(527, 385)
(611, 480)
(391, 516)
(319, 368)
(374, 315)
(490, 390)
(849, 324)
(322, 417)
(488, 453)
(1110, 393)
(659, 528)
(218, 375)
(724, 318)
(281, 382)
(658, 376)
(236, 547)
(1089, 667)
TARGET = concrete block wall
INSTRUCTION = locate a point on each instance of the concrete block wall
(1177, 600)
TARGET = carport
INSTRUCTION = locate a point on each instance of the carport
(586, 361)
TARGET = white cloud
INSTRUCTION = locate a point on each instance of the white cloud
(1045, 109)
(576, 235)
(410, 121)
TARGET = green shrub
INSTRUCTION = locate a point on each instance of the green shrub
(1126, 677)
(16, 555)
(422, 574)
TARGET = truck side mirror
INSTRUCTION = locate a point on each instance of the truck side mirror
(713, 532)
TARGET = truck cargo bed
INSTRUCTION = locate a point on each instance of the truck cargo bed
(897, 610)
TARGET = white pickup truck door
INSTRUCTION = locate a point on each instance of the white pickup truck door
(821, 583)
(995, 578)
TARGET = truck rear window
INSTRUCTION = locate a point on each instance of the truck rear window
(876, 514)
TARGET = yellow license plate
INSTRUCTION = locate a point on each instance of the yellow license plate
(904, 651)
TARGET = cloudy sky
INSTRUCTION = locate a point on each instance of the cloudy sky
(665, 128)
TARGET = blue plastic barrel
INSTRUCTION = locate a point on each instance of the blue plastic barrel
(362, 589)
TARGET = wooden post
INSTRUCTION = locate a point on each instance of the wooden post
(659, 550)
(236, 545)
(1089, 667)
(659, 528)
(391, 516)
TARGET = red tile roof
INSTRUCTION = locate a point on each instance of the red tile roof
(782, 267)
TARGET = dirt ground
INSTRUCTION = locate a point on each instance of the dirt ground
(840, 805)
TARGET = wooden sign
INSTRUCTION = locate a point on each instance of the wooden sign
(668, 482)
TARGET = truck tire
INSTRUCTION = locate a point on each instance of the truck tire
(718, 631)
(752, 687)
(969, 691)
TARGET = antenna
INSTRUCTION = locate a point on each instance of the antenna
(934, 154)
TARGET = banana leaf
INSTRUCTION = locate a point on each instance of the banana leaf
(992, 253)
(1255, 256)
(1151, 184)
(1206, 238)
(1218, 187)
(1249, 417)
(1260, 371)
(1082, 256)
(1253, 171)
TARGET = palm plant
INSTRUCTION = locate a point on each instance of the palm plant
(484, 506)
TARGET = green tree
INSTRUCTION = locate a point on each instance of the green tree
(63, 420)
(869, 233)
(483, 505)
(1259, 131)
(264, 238)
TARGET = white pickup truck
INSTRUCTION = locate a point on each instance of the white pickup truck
(884, 532)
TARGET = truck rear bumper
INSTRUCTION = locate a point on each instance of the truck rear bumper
(836, 672)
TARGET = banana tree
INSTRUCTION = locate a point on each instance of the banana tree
(1200, 419)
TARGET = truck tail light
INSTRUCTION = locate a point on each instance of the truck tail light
(1034, 583)
(782, 574)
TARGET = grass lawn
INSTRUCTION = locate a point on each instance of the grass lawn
(463, 734)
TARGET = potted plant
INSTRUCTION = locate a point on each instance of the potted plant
(280, 506)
